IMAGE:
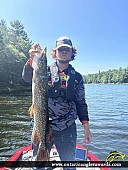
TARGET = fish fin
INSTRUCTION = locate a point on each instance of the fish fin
(42, 154)
(35, 137)
(49, 133)
(31, 110)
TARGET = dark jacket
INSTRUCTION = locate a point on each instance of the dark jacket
(63, 112)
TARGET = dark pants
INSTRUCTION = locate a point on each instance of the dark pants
(65, 142)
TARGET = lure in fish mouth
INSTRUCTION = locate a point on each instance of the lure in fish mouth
(115, 155)
(39, 108)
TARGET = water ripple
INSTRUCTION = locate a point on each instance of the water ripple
(108, 112)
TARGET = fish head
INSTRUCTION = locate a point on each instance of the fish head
(42, 61)
(39, 63)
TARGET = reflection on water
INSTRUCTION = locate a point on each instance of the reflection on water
(108, 110)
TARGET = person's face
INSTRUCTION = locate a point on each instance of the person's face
(64, 54)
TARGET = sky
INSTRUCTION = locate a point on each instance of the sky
(97, 28)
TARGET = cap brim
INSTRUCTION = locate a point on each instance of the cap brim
(63, 45)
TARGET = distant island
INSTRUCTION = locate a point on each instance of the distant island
(111, 76)
(14, 47)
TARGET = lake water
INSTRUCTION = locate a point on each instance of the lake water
(108, 112)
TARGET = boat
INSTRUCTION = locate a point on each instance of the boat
(83, 157)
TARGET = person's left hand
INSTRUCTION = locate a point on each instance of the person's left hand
(88, 137)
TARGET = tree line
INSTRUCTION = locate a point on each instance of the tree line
(14, 47)
(111, 76)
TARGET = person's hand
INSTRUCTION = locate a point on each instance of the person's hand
(88, 137)
(35, 50)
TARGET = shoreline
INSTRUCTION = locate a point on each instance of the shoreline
(22, 90)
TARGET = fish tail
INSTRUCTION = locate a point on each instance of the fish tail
(35, 137)
(42, 154)
(31, 110)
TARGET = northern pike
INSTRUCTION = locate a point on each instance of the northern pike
(39, 108)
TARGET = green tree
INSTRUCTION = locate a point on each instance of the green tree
(14, 46)
(111, 76)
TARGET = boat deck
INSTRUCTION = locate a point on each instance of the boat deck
(28, 155)
(24, 156)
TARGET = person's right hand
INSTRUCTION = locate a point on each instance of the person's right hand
(33, 52)
(35, 49)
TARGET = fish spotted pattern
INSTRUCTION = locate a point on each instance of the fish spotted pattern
(39, 106)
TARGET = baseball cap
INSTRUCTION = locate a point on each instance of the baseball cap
(63, 42)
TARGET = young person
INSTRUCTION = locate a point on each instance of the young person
(66, 99)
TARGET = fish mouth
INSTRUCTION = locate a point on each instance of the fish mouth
(44, 51)
(43, 55)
